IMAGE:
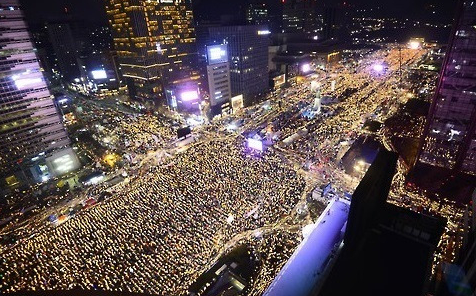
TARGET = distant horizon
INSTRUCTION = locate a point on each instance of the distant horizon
(93, 11)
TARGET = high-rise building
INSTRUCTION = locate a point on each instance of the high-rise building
(300, 16)
(329, 22)
(247, 56)
(257, 14)
(155, 43)
(218, 70)
(65, 50)
(33, 139)
(449, 138)
(203, 40)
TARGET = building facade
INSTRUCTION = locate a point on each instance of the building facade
(218, 72)
(247, 57)
(155, 43)
(32, 135)
(449, 138)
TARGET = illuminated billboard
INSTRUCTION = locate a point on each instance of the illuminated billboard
(279, 80)
(189, 95)
(264, 32)
(217, 54)
(99, 74)
(237, 103)
(255, 144)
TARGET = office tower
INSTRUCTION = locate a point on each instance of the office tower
(155, 43)
(300, 16)
(257, 14)
(203, 40)
(65, 50)
(449, 138)
(329, 22)
(218, 71)
(248, 58)
(100, 39)
(33, 137)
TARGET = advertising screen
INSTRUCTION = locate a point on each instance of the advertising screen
(217, 54)
(99, 74)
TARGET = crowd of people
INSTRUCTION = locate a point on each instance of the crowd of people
(160, 232)
(135, 134)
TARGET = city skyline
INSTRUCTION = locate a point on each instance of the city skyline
(238, 148)
(93, 10)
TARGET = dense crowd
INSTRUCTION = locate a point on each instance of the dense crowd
(134, 133)
(163, 229)
(160, 231)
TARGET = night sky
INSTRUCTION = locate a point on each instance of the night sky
(39, 11)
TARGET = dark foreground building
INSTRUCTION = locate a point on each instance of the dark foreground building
(370, 247)
(387, 250)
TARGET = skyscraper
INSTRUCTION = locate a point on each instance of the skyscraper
(65, 49)
(218, 72)
(449, 138)
(155, 43)
(301, 16)
(31, 132)
(257, 14)
(247, 56)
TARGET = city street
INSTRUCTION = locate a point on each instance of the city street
(178, 210)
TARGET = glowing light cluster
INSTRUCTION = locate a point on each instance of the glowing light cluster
(23, 82)
(306, 68)
(264, 32)
(379, 68)
(414, 45)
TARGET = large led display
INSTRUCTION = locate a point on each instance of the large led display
(217, 54)
(99, 74)
(237, 102)
(64, 164)
(189, 95)
(255, 144)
